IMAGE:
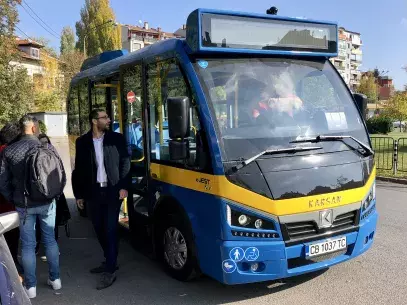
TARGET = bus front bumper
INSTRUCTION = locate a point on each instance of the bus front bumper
(249, 261)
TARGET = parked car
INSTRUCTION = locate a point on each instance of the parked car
(12, 291)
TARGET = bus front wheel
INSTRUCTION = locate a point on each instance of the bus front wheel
(176, 249)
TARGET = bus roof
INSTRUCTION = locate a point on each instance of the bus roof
(113, 66)
(221, 32)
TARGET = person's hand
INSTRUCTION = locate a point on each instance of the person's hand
(80, 203)
(123, 194)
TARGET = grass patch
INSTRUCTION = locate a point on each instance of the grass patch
(394, 134)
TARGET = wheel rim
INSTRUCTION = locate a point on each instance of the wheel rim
(175, 248)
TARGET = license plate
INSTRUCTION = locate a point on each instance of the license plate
(327, 246)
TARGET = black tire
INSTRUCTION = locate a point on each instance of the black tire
(190, 269)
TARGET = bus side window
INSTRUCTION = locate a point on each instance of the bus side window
(73, 112)
(164, 79)
(98, 97)
(132, 110)
(84, 107)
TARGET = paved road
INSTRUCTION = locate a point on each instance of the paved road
(377, 277)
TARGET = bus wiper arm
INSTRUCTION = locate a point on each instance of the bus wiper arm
(273, 152)
(366, 148)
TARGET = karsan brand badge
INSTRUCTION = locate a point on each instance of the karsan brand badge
(324, 201)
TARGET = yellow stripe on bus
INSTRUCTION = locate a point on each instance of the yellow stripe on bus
(218, 185)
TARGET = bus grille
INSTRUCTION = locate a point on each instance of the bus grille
(309, 229)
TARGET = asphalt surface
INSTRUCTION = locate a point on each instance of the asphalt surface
(377, 277)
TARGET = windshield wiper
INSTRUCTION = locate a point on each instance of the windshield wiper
(367, 150)
(273, 152)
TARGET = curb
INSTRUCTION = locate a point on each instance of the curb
(393, 180)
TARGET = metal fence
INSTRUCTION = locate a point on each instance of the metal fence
(402, 155)
(390, 154)
(384, 148)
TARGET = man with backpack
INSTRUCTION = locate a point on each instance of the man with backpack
(32, 177)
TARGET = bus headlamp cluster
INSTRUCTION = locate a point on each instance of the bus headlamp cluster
(244, 220)
(369, 198)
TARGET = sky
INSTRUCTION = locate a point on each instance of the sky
(382, 24)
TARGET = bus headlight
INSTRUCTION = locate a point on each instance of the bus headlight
(244, 220)
(369, 198)
(258, 224)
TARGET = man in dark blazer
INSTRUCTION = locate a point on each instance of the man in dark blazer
(102, 178)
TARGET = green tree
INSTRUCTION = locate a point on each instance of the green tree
(48, 94)
(71, 65)
(96, 28)
(67, 40)
(368, 87)
(16, 93)
(396, 107)
(15, 85)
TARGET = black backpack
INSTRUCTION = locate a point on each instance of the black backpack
(45, 177)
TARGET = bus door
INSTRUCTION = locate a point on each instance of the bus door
(108, 95)
(134, 128)
(164, 79)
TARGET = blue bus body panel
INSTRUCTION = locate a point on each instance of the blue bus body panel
(216, 246)
(206, 218)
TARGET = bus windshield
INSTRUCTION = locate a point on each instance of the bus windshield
(264, 103)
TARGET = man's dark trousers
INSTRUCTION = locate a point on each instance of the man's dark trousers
(105, 209)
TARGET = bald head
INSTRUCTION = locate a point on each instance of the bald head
(29, 125)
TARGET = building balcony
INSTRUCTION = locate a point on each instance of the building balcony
(357, 42)
(150, 40)
(357, 51)
(356, 58)
(355, 82)
(137, 37)
(340, 68)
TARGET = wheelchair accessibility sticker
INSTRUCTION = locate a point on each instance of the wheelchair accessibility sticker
(229, 266)
(251, 254)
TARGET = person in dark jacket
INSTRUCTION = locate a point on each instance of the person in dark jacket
(12, 187)
(102, 178)
(62, 212)
(9, 134)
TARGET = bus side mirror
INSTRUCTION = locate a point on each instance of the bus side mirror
(361, 102)
(178, 127)
(8, 222)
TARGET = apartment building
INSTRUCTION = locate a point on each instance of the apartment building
(349, 57)
(386, 87)
(137, 37)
